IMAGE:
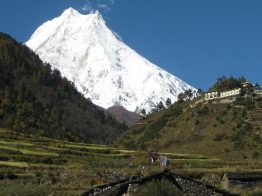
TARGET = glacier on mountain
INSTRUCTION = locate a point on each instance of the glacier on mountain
(101, 66)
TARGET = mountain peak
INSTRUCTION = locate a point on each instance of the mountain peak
(97, 13)
(101, 66)
(97, 16)
(70, 11)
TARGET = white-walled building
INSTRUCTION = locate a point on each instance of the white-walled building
(230, 93)
(258, 91)
(225, 94)
(212, 95)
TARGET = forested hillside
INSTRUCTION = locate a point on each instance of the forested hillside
(227, 128)
(37, 100)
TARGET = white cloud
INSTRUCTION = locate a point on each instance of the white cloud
(104, 7)
(86, 8)
(101, 5)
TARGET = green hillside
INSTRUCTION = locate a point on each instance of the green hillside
(34, 165)
(37, 100)
(226, 128)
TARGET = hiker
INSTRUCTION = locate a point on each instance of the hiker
(130, 161)
(152, 159)
(163, 162)
(142, 171)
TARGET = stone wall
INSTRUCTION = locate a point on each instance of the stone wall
(130, 185)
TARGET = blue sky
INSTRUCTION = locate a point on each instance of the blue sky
(196, 40)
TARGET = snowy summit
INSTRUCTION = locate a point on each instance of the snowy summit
(100, 65)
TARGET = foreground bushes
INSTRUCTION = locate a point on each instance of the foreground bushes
(157, 188)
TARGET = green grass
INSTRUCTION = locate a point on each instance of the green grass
(38, 153)
(67, 168)
(29, 152)
(156, 188)
(16, 143)
(227, 131)
(88, 146)
(14, 164)
(21, 189)
(184, 156)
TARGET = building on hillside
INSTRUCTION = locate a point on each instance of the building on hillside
(225, 94)
(241, 180)
(258, 91)
(230, 93)
(212, 95)
(246, 84)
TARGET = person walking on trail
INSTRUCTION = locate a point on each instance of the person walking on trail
(163, 162)
(130, 161)
(152, 159)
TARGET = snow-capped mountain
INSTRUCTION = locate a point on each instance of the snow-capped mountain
(100, 65)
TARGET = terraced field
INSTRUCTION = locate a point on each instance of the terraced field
(31, 165)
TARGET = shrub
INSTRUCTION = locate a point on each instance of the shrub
(130, 144)
(92, 182)
(156, 188)
(247, 127)
(234, 113)
(239, 145)
(137, 130)
(203, 111)
(197, 122)
(221, 121)
(228, 107)
(227, 150)
(247, 102)
(48, 160)
(244, 113)
(21, 189)
(4, 158)
(219, 137)
(227, 83)
(173, 124)
(239, 101)
(154, 129)
(255, 155)
(259, 103)
(8, 175)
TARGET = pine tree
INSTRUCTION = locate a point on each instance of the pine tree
(160, 106)
(143, 112)
(168, 102)
(33, 98)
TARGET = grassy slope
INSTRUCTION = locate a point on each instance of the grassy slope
(221, 130)
(31, 165)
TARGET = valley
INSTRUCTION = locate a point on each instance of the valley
(31, 165)
(82, 113)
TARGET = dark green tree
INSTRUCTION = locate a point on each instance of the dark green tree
(160, 106)
(168, 102)
(143, 112)
(37, 100)
(227, 83)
